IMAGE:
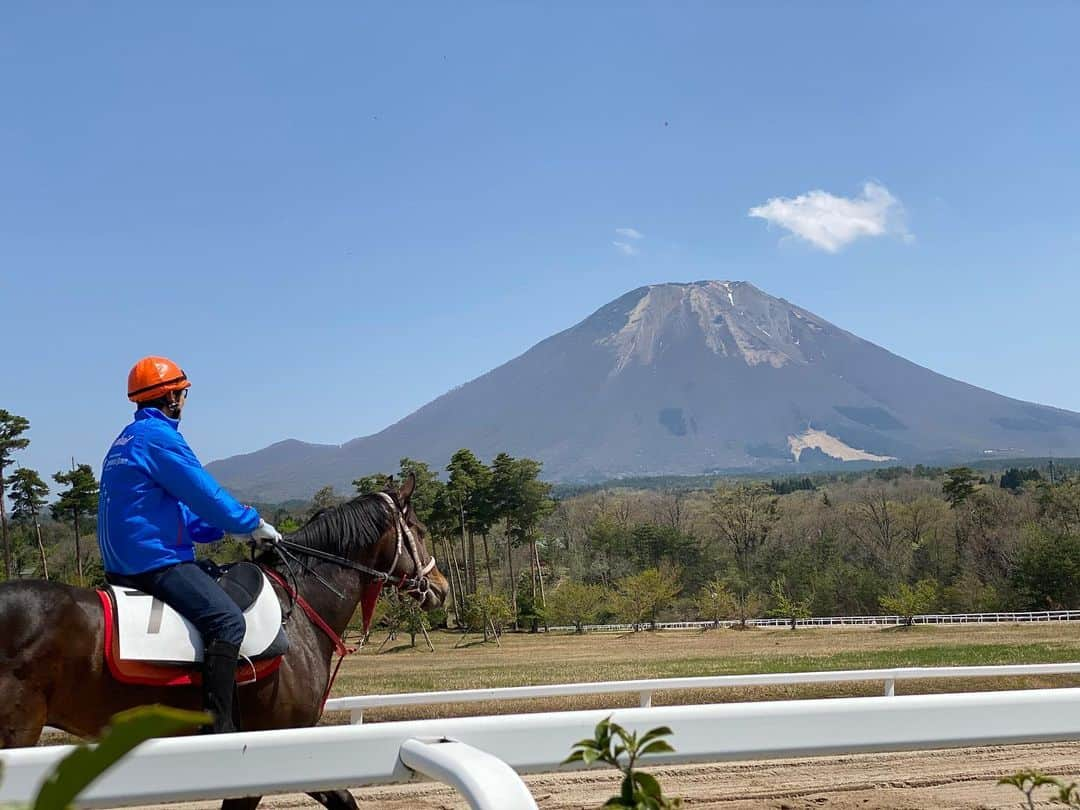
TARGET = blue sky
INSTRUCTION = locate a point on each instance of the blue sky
(329, 214)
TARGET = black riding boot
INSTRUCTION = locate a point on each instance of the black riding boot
(219, 685)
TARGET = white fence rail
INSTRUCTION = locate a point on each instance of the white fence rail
(334, 757)
(645, 688)
(830, 621)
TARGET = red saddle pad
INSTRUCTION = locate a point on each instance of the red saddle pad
(147, 674)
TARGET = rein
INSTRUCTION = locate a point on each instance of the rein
(341, 649)
(416, 584)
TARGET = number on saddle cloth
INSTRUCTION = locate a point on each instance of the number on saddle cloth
(149, 630)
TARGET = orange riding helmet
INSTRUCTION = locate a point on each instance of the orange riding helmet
(153, 377)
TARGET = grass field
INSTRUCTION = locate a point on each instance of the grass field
(525, 659)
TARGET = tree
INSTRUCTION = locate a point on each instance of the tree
(716, 602)
(1047, 571)
(79, 499)
(28, 494)
(427, 487)
(442, 523)
(639, 597)
(467, 491)
(608, 543)
(11, 429)
(960, 484)
(744, 515)
(749, 603)
(522, 500)
(786, 606)
(576, 603)
(486, 611)
(403, 614)
(910, 602)
(1059, 506)
(376, 482)
(324, 498)
(1014, 478)
(872, 519)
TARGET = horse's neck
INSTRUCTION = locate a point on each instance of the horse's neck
(336, 612)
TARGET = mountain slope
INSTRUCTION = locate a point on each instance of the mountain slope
(684, 379)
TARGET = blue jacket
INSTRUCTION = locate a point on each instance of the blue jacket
(157, 501)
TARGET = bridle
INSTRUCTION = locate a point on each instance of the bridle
(416, 585)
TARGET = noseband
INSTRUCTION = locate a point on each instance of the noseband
(416, 585)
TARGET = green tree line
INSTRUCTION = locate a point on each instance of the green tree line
(39, 539)
(894, 540)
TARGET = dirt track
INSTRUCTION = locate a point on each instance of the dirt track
(960, 778)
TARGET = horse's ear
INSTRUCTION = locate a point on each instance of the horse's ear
(405, 491)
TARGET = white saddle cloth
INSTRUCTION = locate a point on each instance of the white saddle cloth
(150, 630)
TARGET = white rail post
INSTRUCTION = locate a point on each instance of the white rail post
(356, 717)
(486, 781)
(645, 699)
(890, 687)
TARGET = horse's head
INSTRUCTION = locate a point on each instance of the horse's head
(378, 536)
(402, 549)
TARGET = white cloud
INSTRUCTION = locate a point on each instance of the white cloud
(630, 233)
(625, 248)
(830, 222)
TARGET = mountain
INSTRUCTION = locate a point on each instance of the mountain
(685, 379)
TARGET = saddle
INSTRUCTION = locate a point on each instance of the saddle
(149, 643)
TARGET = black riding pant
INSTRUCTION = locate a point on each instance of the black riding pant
(189, 590)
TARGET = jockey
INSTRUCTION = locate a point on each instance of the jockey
(156, 502)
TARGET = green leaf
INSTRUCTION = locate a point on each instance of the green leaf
(659, 731)
(79, 769)
(656, 747)
(648, 784)
(589, 756)
(575, 756)
(603, 730)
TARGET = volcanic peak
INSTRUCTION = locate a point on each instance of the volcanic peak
(734, 319)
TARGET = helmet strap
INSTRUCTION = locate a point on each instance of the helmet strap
(172, 405)
(169, 404)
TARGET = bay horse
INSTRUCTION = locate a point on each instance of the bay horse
(52, 665)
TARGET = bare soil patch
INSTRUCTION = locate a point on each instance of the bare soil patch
(956, 779)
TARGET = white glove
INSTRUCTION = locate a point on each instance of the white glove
(264, 534)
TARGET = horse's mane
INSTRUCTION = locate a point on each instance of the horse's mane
(346, 528)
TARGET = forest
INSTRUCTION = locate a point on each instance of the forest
(519, 552)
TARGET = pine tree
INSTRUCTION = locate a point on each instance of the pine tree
(28, 494)
(11, 428)
(467, 491)
(79, 499)
(960, 484)
(376, 482)
(522, 500)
